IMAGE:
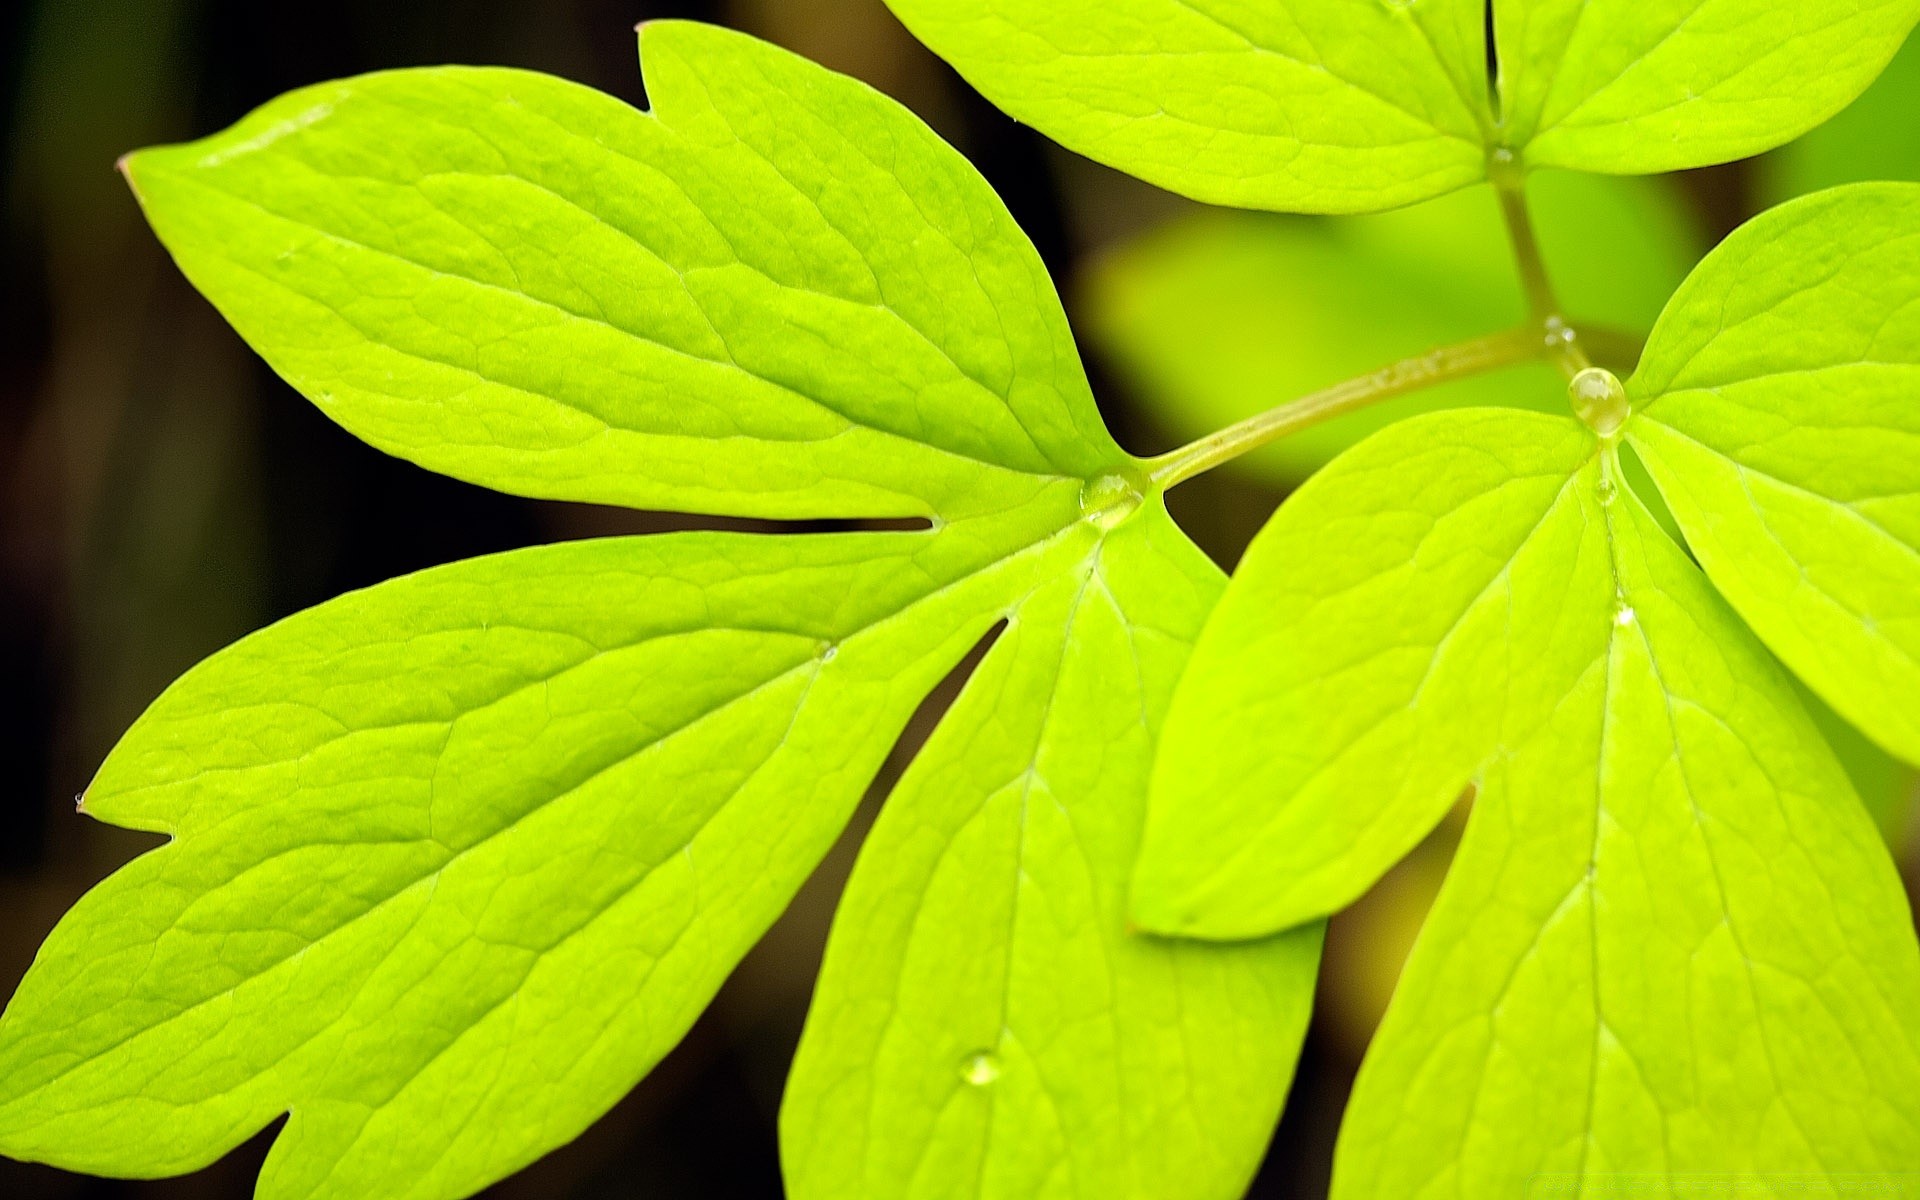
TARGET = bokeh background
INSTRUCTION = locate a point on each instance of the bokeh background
(162, 493)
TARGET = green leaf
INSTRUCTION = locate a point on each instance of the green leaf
(979, 965)
(456, 859)
(1339, 108)
(1286, 104)
(1876, 137)
(460, 856)
(1189, 313)
(1637, 86)
(1672, 949)
(1776, 411)
(777, 291)
(1423, 601)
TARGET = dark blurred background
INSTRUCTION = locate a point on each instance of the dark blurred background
(162, 493)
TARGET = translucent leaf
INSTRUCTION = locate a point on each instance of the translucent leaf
(1877, 137)
(1216, 316)
(460, 856)
(1635, 86)
(456, 859)
(1776, 411)
(983, 1025)
(1372, 104)
(1414, 607)
(1672, 950)
(1296, 105)
(778, 291)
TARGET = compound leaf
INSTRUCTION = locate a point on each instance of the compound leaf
(778, 290)
(1636, 86)
(457, 858)
(1287, 104)
(1189, 312)
(1672, 949)
(460, 856)
(1776, 412)
(1414, 607)
(984, 1026)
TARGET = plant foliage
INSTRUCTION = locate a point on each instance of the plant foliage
(453, 861)
(456, 859)
(1672, 941)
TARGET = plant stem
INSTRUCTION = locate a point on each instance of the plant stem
(1542, 304)
(1510, 185)
(1450, 362)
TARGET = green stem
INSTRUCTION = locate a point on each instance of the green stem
(1542, 305)
(1450, 362)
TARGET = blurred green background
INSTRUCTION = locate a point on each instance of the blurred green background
(161, 493)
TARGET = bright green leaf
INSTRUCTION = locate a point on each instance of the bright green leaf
(1217, 316)
(459, 857)
(983, 1026)
(777, 294)
(1636, 86)
(1672, 950)
(1422, 602)
(1297, 105)
(1777, 413)
(1877, 137)
(456, 859)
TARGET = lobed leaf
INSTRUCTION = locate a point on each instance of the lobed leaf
(1775, 410)
(777, 291)
(1357, 107)
(984, 1025)
(1636, 86)
(457, 858)
(1672, 947)
(1424, 601)
(1284, 104)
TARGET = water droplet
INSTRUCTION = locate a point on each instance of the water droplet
(1623, 614)
(980, 1068)
(1559, 333)
(829, 654)
(1608, 492)
(1599, 400)
(1110, 499)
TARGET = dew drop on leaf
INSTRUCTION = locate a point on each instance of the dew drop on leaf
(980, 1069)
(1608, 492)
(1109, 499)
(1599, 399)
(1623, 614)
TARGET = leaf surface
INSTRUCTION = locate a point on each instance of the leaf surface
(777, 291)
(1637, 86)
(456, 859)
(1286, 104)
(460, 856)
(1672, 948)
(1876, 137)
(984, 1026)
(1423, 601)
(1776, 410)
